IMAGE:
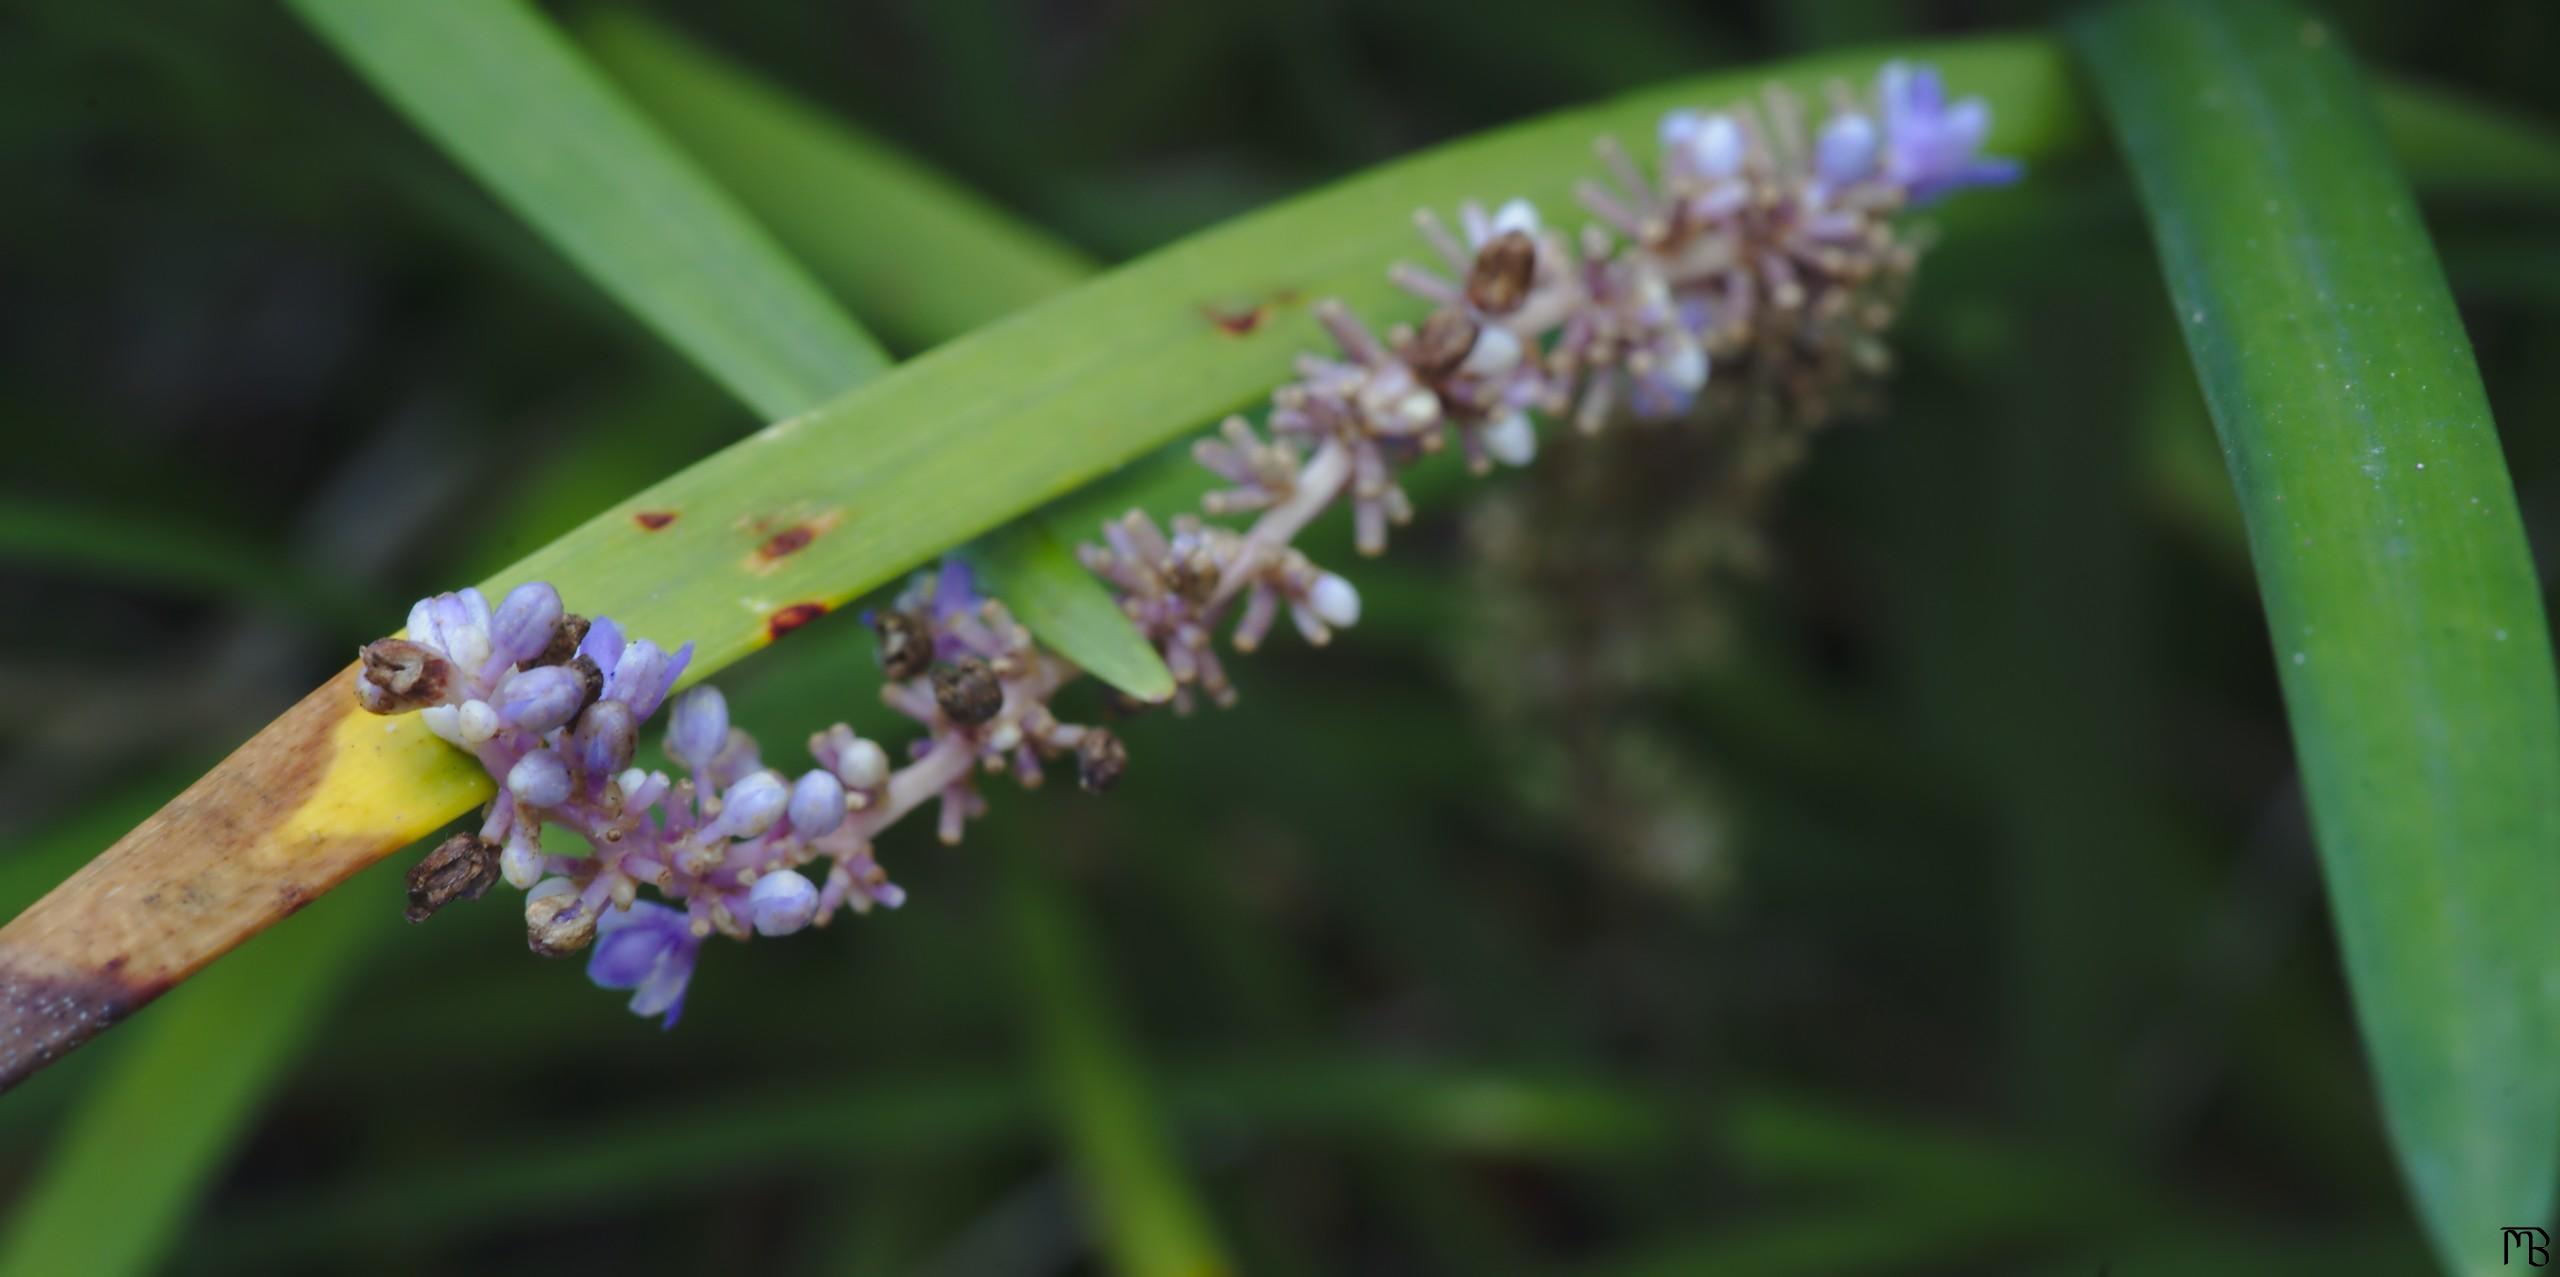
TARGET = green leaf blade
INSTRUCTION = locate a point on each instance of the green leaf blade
(2400, 594)
(512, 101)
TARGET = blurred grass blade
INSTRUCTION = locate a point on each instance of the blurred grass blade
(140, 1148)
(2400, 594)
(921, 258)
(511, 100)
(1124, 1155)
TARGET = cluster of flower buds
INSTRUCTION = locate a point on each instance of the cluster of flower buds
(1753, 243)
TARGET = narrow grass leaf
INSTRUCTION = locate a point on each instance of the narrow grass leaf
(511, 100)
(2400, 595)
(1124, 1154)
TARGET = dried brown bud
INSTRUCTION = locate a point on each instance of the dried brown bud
(906, 645)
(1100, 759)
(460, 868)
(565, 640)
(557, 921)
(1443, 344)
(1193, 577)
(1504, 270)
(967, 690)
(589, 677)
(394, 676)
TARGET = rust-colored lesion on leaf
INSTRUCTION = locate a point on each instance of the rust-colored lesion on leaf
(787, 540)
(322, 792)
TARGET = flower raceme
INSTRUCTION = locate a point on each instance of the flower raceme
(1759, 249)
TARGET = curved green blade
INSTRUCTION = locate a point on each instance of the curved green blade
(2400, 595)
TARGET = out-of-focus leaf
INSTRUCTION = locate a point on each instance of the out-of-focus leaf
(511, 100)
(921, 258)
(143, 1143)
(142, 549)
(1124, 1156)
(2400, 595)
(1033, 572)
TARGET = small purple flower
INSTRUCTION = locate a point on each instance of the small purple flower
(817, 805)
(637, 673)
(698, 727)
(539, 779)
(783, 901)
(539, 699)
(1933, 147)
(606, 737)
(750, 807)
(455, 624)
(1846, 152)
(649, 949)
(525, 622)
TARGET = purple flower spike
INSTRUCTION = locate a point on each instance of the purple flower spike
(649, 949)
(525, 622)
(1933, 147)
(537, 700)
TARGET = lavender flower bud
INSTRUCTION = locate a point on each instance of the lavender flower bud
(557, 920)
(1511, 440)
(1101, 758)
(1847, 150)
(539, 779)
(750, 807)
(738, 759)
(460, 868)
(606, 738)
(968, 691)
(394, 676)
(1495, 352)
(1708, 146)
(455, 624)
(697, 727)
(783, 901)
(1516, 216)
(1335, 601)
(526, 622)
(475, 722)
(521, 863)
(817, 805)
(537, 700)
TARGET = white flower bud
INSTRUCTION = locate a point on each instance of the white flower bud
(1496, 351)
(863, 765)
(1512, 440)
(520, 863)
(475, 722)
(1335, 601)
(1515, 215)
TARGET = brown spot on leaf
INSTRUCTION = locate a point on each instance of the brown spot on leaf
(788, 541)
(652, 520)
(792, 618)
(1236, 323)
